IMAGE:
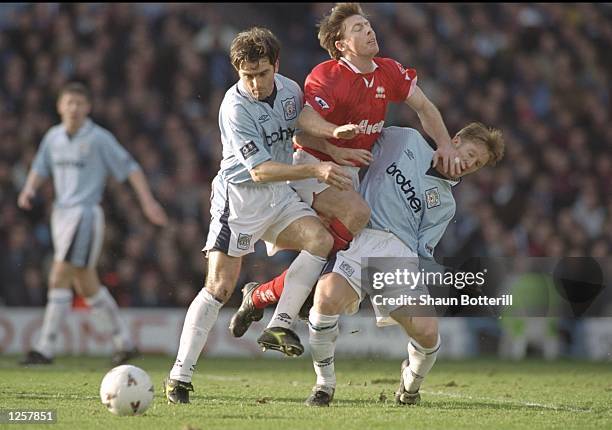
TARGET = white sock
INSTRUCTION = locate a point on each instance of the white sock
(301, 276)
(200, 318)
(59, 303)
(323, 331)
(105, 310)
(421, 361)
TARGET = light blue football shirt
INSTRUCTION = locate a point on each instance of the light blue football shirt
(80, 165)
(254, 131)
(407, 197)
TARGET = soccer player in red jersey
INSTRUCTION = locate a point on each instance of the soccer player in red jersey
(352, 89)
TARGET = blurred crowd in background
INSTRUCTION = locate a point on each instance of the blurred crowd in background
(158, 73)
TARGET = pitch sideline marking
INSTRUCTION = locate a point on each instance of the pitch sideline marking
(491, 399)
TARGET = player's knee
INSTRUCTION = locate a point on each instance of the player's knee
(220, 290)
(318, 241)
(358, 216)
(329, 303)
(428, 334)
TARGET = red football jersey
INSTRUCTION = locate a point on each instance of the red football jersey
(343, 95)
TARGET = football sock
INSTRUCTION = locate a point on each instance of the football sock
(105, 310)
(59, 302)
(342, 236)
(323, 331)
(301, 277)
(270, 292)
(200, 318)
(421, 361)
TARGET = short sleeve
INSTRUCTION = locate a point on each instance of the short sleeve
(42, 161)
(116, 159)
(241, 133)
(402, 81)
(319, 93)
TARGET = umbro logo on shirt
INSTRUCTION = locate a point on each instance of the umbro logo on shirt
(264, 118)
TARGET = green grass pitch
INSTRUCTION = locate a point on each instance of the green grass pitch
(269, 394)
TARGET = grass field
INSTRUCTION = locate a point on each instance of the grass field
(268, 394)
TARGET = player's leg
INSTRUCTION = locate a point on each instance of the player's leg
(307, 234)
(422, 353)
(333, 296)
(223, 272)
(59, 303)
(346, 214)
(105, 311)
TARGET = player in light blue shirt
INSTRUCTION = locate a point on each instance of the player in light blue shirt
(80, 155)
(251, 200)
(412, 204)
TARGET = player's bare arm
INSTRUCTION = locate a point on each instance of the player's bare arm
(312, 123)
(34, 181)
(328, 172)
(342, 156)
(151, 208)
(434, 126)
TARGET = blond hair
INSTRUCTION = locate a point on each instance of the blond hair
(491, 138)
(331, 26)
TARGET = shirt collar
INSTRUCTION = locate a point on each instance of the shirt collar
(433, 172)
(87, 124)
(351, 66)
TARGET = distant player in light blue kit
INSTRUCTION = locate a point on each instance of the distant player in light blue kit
(80, 155)
(251, 201)
(412, 204)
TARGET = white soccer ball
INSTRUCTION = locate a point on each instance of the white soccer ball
(126, 390)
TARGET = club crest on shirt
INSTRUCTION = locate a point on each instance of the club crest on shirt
(432, 197)
(244, 241)
(289, 108)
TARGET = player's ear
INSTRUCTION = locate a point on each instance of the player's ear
(340, 46)
(276, 65)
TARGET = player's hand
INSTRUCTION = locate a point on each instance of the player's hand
(350, 156)
(24, 200)
(346, 132)
(448, 156)
(155, 213)
(334, 175)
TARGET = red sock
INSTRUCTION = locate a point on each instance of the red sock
(342, 236)
(270, 292)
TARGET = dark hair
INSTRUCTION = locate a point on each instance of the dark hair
(331, 26)
(253, 45)
(75, 88)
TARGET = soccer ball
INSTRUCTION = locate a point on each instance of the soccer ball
(126, 390)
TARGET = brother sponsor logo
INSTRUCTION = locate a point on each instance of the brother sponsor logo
(281, 134)
(406, 187)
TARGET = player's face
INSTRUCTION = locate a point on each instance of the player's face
(73, 109)
(258, 78)
(475, 155)
(358, 38)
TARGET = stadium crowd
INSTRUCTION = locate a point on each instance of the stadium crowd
(158, 73)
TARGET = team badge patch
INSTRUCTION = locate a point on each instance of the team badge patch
(321, 102)
(432, 197)
(244, 241)
(289, 108)
(346, 268)
(248, 150)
